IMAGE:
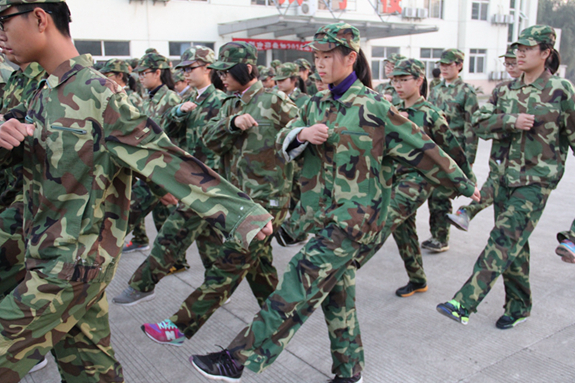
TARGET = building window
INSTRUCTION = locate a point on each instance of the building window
(429, 57)
(435, 8)
(477, 60)
(103, 48)
(378, 54)
(177, 48)
(479, 10)
(337, 5)
(263, 2)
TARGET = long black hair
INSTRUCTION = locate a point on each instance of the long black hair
(216, 80)
(242, 74)
(166, 77)
(423, 87)
(360, 67)
(300, 83)
(554, 60)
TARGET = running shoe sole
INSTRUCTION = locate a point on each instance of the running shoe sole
(420, 290)
(213, 377)
(147, 247)
(144, 299)
(447, 312)
(434, 249)
(565, 253)
(157, 341)
(452, 218)
(518, 321)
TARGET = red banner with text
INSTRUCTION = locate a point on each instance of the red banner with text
(266, 45)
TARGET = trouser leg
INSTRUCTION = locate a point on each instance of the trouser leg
(569, 235)
(439, 207)
(487, 192)
(12, 248)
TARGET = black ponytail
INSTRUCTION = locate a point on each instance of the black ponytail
(423, 88)
(361, 66)
(131, 82)
(554, 60)
(216, 80)
(166, 77)
(300, 83)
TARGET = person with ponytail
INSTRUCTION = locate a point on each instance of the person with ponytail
(350, 138)
(119, 71)
(534, 117)
(410, 188)
(156, 77)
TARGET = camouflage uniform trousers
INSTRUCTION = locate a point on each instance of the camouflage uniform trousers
(143, 202)
(408, 194)
(291, 223)
(68, 318)
(517, 212)
(177, 234)
(227, 264)
(12, 248)
(570, 235)
(487, 196)
(321, 274)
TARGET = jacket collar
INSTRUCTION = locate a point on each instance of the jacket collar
(205, 94)
(348, 97)
(415, 106)
(453, 84)
(68, 69)
(539, 83)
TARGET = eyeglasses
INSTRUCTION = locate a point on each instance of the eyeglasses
(401, 80)
(3, 19)
(524, 50)
(190, 69)
(223, 74)
(509, 65)
(143, 74)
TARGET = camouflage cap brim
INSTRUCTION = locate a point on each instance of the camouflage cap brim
(508, 55)
(526, 42)
(322, 47)
(399, 72)
(185, 64)
(446, 61)
(221, 65)
(280, 78)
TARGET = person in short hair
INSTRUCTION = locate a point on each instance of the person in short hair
(436, 73)
(181, 85)
(386, 88)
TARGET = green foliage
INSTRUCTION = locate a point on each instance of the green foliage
(560, 14)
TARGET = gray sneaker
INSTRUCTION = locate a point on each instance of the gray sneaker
(460, 219)
(434, 245)
(130, 297)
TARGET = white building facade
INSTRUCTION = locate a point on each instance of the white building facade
(420, 29)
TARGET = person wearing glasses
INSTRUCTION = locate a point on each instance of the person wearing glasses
(181, 86)
(410, 188)
(183, 226)
(350, 138)
(534, 116)
(156, 77)
(80, 144)
(465, 214)
(243, 136)
(387, 88)
(119, 71)
(458, 101)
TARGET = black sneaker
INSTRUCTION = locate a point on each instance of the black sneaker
(284, 239)
(435, 245)
(410, 289)
(354, 379)
(507, 322)
(132, 246)
(218, 366)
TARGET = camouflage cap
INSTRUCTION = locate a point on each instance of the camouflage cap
(197, 53)
(450, 56)
(315, 77)
(332, 36)
(266, 72)
(178, 75)
(409, 67)
(115, 65)
(236, 52)
(302, 64)
(287, 70)
(5, 4)
(394, 58)
(535, 35)
(510, 53)
(151, 50)
(152, 61)
(275, 64)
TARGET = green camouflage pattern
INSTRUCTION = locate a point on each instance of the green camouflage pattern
(151, 50)
(197, 53)
(286, 70)
(409, 67)
(310, 84)
(267, 72)
(5, 4)
(433, 83)
(569, 235)
(152, 61)
(298, 97)
(517, 212)
(275, 64)
(535, 35)
(332, 36)
(135, 99)
(510, 53)
(157, 107)
(249, 158)
(12, 247)
(394, 58)
(178, 75)
(236, 52)
(115, 66)
(387, 88)
(452, 55)
(536, 156)
(302, 64)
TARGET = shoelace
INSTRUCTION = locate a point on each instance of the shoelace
(166, 325)
(226, 364)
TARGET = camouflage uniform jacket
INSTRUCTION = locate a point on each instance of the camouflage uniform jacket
(298, 97)
(208, 106)
(458, 101)
(310, 86)
(78, 175)
(158, 106)
(433, 83)
(21, 86)
(135, 98)
(249, 158)
(188, 94)
(433, 122)
(536, 156)
(347, 180)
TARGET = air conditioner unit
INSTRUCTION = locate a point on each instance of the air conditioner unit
(409, 13)
(509, 19)
(498, 19)
(307, 8)
(422, 13)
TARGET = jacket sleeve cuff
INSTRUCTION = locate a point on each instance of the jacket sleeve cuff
(292, 135)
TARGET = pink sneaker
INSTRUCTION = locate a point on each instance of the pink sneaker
(165, 332)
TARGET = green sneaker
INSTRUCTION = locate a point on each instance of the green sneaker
(454, 310)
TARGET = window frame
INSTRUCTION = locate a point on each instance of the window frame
(431, 61)
(380, 59)
(103, 47)
(483, 5)
(477, 56)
